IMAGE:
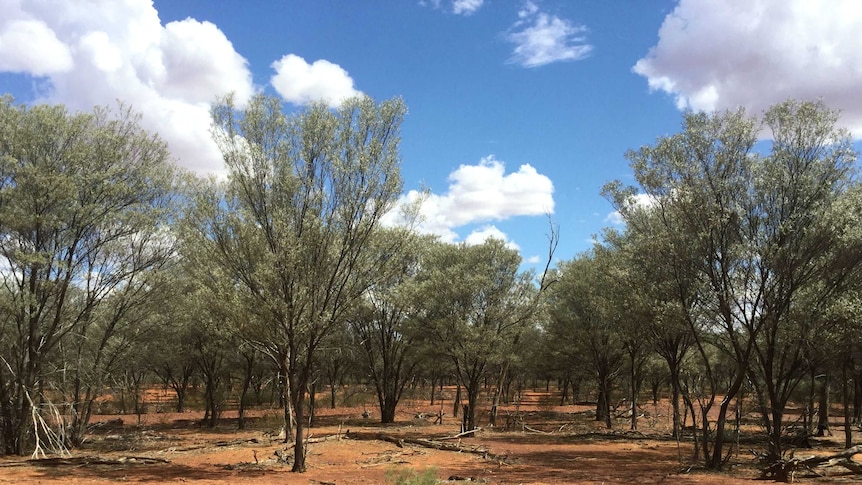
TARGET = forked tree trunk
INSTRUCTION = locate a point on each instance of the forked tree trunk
(564, 391)
(495, 402)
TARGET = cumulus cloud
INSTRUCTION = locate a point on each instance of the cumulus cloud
(638, 200)
(94, 53)
(717, 55)
(479, 194)
(301, 83)
(485, 233)
(466, 7)
(541, 38)
(28, 45)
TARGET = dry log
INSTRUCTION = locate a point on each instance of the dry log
(784, 470)
(426, 443)
(87, 461)
(315, 439)
(846, 454)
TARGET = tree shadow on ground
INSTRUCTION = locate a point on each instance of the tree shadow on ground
(159, 472)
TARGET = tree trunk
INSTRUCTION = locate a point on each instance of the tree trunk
(857, 398)
(673, 364)
(246, 385)
(775, 445)
(496, 397)
(601, 404)
(286, 401)
(809, 407)
(181, 398)
(674, 403)
(387, 411)
(689, 407)
(845, 401)
(312, 401)
(470, 409)
(823, 408)
(718, 445)
(564, 392)
(299, 444)
(635, 392)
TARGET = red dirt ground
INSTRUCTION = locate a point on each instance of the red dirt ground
(564, 446)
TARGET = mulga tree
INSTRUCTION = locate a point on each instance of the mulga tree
(475, 303)
(173, 364)
(336, 358)
(385, 331)
(84, 199)
(807, 245)
(700, 181)
(662, 285)
(292, 226)
(758, 233)
(639, 310)
(586, 319)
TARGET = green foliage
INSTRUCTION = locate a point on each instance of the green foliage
(401, 476)
(748, 249)
(290, 234)
(473, 303)
(385, 332)
(85, 203)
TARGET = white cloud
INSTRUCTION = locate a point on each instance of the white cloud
(459, 7)
(485, 233)
(528, 9)
(717, 55)
(478, 194)
(542, 38)
(466, 7)
(615, 218)
(638, 200)
(31, 46)
(301, 83)
(94, 53)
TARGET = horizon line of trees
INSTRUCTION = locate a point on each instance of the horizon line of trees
(735, 278)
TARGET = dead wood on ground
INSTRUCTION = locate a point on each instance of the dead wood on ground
(784, 470)
(427, 443)
(86, 461)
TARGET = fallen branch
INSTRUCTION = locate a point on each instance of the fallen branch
(425, 443)
(846, 454)
(537, 430)
(236, 442)
(460, 435)
(321, 439)
(217, 444)
(785, 469)
(87, 461)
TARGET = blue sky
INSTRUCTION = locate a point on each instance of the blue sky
(516, 108)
